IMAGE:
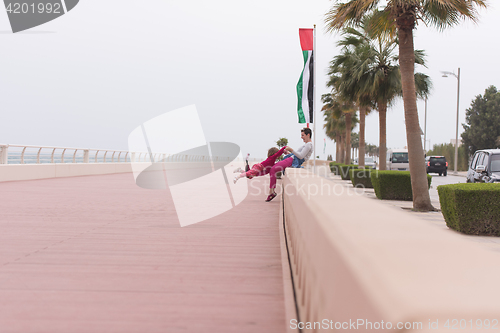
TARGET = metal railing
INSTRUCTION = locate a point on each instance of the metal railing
(25, 154)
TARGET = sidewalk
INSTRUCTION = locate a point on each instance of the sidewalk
(99, 254)
(435, 218)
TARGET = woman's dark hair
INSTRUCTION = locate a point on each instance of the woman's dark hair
(307, 131)
(272, 151)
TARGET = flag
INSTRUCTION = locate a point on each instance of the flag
(305, 86)
(324, 147)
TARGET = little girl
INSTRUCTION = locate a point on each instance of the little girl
(263, 168)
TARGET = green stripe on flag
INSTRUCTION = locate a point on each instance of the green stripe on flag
(300, 91)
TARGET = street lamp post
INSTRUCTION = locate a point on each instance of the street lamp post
(445, 74)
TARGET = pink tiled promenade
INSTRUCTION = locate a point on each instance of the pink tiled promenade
(99, 254)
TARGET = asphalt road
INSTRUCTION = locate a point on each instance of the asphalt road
(442, 180)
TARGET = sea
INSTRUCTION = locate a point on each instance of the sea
(14, 157)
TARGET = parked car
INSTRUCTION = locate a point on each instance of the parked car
(397, 159)
(436, 164)
(369, 162)
(484, 166)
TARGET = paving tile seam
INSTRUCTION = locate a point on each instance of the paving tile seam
(160, 254)
(159, 265)
(56, 243)
(155, 254)
(153, 272)
(111, 291)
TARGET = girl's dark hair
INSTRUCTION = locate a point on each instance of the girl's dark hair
(272, 151)
(306, 131)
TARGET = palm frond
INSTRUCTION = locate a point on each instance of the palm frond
(438, 13)
(348, 14)
(447, 13)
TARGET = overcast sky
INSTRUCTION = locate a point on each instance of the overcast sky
(88, 78)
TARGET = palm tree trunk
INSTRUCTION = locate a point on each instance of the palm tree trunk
(342, 149)
(348, 121)
(337, 148)
(419, 184)
(361, 154)
(382, 120)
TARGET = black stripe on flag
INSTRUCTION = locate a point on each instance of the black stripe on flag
(310, 90)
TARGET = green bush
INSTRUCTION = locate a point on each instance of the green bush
(334, 167)
(472, 209)
(393, 185)
(361, 178)
(344, 170)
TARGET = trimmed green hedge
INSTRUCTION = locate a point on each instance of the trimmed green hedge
(344, 170)
(334, 167)
(393, 185)
(361, 178)
(472, 209)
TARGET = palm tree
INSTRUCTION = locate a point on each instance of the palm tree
(401, 16)
(348, 75)
(386, 85)
(348, 111)
(334, 129)
(363, 112)
(334, 125)
(371, 75)
(331, 125)
(372, 150)
(338, 124)
(347, 90)
(371, 72)
(355, 144)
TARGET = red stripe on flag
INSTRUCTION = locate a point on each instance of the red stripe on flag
(306, 39)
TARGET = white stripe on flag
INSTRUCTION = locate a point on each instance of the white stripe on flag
(305, 86)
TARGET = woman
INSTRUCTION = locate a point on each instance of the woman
(303, 153)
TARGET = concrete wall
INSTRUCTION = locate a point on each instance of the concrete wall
(310, 163)
(355, 258)
(11, 172)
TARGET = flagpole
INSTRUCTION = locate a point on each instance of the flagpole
(315, 119)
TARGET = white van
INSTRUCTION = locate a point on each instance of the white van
(397, 159)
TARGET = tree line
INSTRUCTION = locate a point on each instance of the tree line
(481, 130)
(369, 75)
(482, 127)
